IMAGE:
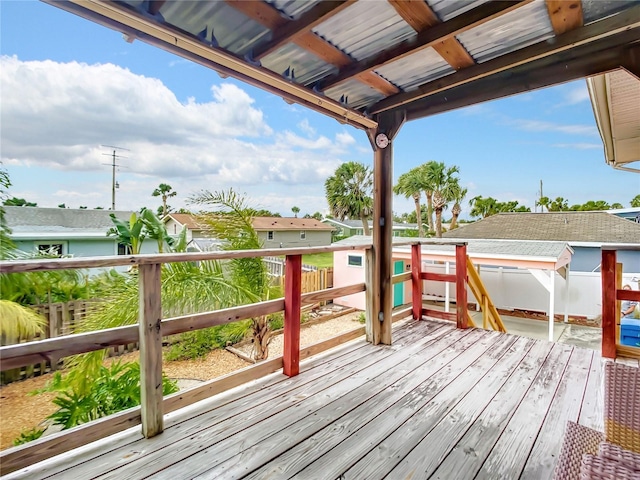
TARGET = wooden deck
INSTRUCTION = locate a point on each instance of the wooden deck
(439, 403)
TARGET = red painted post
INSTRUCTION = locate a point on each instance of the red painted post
(608, 269)
(292, 303)
(461, 286)
(416, 281)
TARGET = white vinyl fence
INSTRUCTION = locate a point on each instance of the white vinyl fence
(511, 288)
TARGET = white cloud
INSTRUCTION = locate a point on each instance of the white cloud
(306, 128)
(579, 146)
(542, 126)
(577, 94)
(344, 138)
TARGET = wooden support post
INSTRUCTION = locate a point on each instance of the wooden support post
(608, 269)
(447, 288)
(389, 124)
(150, 316)
(461, 286)
(618, 302)
(292, 304)
(416, 281)
(567, 292)
(552, 302)
(372, 325)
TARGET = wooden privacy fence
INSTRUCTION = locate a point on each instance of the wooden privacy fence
(152, 327)
(314, 280)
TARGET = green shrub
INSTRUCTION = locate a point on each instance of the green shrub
(362, 318)
(114, 389)
(276, 321)
(28, 435)
(197, 344)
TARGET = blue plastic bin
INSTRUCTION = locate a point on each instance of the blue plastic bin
(630, 332)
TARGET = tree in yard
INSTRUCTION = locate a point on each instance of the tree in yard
(445, 184)
(295, 211)
(617, 205)
(427, 172)
(482, 207)
(543, 202)
(635, 201)
(558, 205)
(595, 205)
(231, 222)
(164, 191)
(456, 210)
(410, 185)
(349, 193)
(18, 202)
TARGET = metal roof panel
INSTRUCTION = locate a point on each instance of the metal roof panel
(447, 9)
(365, 28)
(416, 69)
(307, 67)
(515, 30)
(293, 8)
(358, 94)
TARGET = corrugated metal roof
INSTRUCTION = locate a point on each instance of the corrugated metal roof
(293, 8)
(378, 26)
(447, 9)
(359, 95)
(593, 10)
(416, 69)
(517, 29)
(307, 67)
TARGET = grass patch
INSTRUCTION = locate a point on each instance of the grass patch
(320, 260)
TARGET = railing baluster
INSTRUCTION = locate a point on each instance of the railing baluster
(416, 281)
(461, 286)
(150, 316)
(608, 269)
(292, 304)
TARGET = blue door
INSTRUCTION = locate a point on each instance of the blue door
(398, 290)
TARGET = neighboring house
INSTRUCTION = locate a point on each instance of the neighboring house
(66, 231)
(632, 213)
(349, 228)
(585, 232)
(290, 232)
(275, 232)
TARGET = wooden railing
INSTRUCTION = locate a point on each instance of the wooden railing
(612, 294)
(152, 328)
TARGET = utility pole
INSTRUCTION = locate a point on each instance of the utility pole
(113, 165)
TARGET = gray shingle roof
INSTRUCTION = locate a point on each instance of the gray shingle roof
(486, 248)
(593, 227)
(73, 222)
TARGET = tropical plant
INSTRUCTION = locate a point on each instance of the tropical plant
(457, 209)
(635, 201)
(112, 389)
(295, 211)
(164, 191)
(427, 172)
(445, 184)
(543, 202)
(349, 193)
(616, 205)
(19, 322)
(129, 233)
(231, 222)
(19, 202)
(27, 436)
(558, 205)
(485, 207)
(410, 185)
(155, 228)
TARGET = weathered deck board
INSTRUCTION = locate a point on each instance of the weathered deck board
(439, 403)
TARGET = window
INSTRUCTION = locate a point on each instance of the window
(354, 260)
(51, 248)
(270, 235)
(124, 249)
(303, 235)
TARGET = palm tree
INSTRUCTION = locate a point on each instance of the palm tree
(349, 193)
(445, 186)
(482, 207)
(427, 171)
(295, 211)
(455, 211)
(164, 191)
(635, 201)
(544, 202)
(231, 222)
(409, 185)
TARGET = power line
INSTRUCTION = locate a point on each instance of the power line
(113, 164)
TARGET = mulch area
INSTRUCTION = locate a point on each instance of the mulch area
(20, 411)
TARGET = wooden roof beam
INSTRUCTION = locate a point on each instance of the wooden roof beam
(419, 15)
(623, 21)
(293, 31)
(565, 15)
(427, 38)
(584, 61)
(289, 31)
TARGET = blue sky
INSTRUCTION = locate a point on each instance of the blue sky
(69, 86)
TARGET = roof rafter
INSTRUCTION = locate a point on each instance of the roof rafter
(299, 32)
(419, 15)
(565, 15)
(583, 61)
(288, 31)
(427, 38)
(624, 21)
